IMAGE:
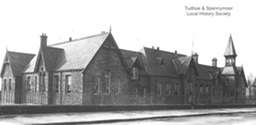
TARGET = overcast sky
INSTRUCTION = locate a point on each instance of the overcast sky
(135, 24)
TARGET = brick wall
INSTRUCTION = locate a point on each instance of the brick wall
(106, 61)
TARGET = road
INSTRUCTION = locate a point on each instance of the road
(227, 119)
(230, 116)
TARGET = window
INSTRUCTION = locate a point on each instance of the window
(144, 92)
(36, 85)
(201, 88)
(135, 73)
(68, 83)
(207, 89)
(227, 81)
(118, 86)
(10, 84)
(56, 83)
(168, 89)
(5, 84)
(97, 86)
(42, 81)
(176, 89)
(159, 89)
(136, 92)
(108, 80)
(28, 84)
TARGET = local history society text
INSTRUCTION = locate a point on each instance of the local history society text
(208, 11)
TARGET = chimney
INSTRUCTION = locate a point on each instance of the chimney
(175, 52)
(214, 62)
(70, 39)
(195, 57)
(157, 48)
(153, 47)
(43, 40)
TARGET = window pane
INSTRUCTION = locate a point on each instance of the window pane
(68, 83)
(10, 84)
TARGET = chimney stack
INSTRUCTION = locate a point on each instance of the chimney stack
(157, 48)
(70, 39)
(195, 57)
(214, 62)
(43, 40)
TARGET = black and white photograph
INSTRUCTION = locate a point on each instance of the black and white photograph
(127, 62)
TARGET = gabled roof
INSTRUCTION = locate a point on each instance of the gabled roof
(17, 61)
(240, 71)
(133, 58)
(230, 50)
(51, 56)
(182, 64)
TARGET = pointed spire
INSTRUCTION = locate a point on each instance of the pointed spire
(230, 50)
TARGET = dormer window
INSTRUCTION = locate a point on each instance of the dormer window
(160, 60)
(135, 73)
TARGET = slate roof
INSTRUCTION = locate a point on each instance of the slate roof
(158, 62)
(230, 50)
(77, 54)
(18, 61)
(173, 64)
(70, 55)
(208, 72)
(229, 70)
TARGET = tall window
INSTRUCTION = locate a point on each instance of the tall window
(135, 73)
(201, 88)
(207, 89)
(136, 92)
(68, 83)
(28, 84)
(176, 87)
(42, 80)
(97, 86)
(108, 81)
(36, 85)
(10, 84)
(56, 83)
(144, 92)
(118, 86)
(168, 89)
(158, 89)
(5, 84)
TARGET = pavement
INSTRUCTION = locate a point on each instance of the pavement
(111, 117)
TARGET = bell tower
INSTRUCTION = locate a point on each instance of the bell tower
(230, 53)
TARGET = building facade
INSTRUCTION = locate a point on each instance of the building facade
(94, 71)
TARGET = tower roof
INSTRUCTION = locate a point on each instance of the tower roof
(230, 50)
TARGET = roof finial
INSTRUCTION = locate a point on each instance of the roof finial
(192, 45)
(110, 28)
(6, 48)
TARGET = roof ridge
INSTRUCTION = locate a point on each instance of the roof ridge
(209, 66)
(129, 50)
(55, 48)
(21, 53)
(165, 51)
(95, 35)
